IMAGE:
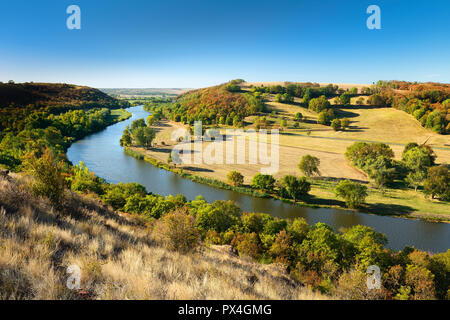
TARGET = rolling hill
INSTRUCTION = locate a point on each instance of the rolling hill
(41, 95)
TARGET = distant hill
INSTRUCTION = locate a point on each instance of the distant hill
(129, 93)
(40, 95)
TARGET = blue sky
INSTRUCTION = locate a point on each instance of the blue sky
(196, 43)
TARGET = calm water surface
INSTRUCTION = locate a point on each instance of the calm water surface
(103, 155)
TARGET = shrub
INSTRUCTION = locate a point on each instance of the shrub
(281, 249)
(353, 193)
(85, 181)
(352, 285)
(247, 244)
(420, 280)
(177, 231)
(274, 226)
(298, 230)
(235, 178)
(48, 175)
(219, 216)
(117, 195)
(255, 222)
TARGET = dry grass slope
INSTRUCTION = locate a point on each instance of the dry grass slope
(118, 257)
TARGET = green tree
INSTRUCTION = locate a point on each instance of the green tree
(325, 117)
(345, 123)
(336, 124)
(294, 187)
(353, 193)
(309, 165)
(417, 160)
(138, 123)
(437, 182)
(235, 178)
(126, 139)
(143, 136)
(287, 98)
(298, 117)
(376, 100)
(151, 120)
(219, 216)
(345, 99)
(263, 181)
(319, 104)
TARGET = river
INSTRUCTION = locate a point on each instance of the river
(103, 155)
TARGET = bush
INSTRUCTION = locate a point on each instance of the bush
(117, 195)
(85, 181)
(235, 178)
(298, 230)
(219, 216)
(255, 222)
(281, 249)
(177, 231)
(274, 226)
(48, 175)
(353, 193)
(247, 244)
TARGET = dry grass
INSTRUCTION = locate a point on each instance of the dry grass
(118, 257)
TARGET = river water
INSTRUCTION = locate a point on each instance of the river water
(103, 155)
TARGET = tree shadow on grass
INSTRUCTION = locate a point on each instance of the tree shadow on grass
(345, 114)
(195, 169)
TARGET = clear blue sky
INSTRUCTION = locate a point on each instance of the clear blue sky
(195, 43)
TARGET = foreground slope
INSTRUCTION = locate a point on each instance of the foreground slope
(118, 257)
